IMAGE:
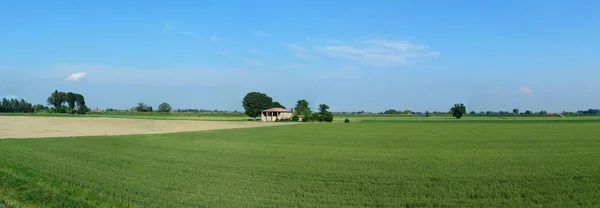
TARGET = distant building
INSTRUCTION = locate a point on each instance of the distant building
(273, 114)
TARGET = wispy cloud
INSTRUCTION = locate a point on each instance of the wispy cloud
(214, 38)
(191, 34)
(133, 76)
(253, 62)
(261, 34)
(76, 76)
(526, 90)
(253, 50)
(293, 66)
(379, 52)
(224, 53)
(300, 52)
(497, 90)
(169, 27)
(341, 73)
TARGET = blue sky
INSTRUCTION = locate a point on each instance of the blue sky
(353, 55)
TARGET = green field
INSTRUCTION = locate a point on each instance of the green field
(361, 164)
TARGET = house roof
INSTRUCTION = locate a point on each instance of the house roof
(277, 110)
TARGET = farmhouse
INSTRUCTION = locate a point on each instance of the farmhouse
(273, 114)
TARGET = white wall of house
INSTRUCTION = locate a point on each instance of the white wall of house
(272, 116)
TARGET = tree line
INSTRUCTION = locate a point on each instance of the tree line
(16, 106)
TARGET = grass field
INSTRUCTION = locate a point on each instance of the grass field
(363, 164)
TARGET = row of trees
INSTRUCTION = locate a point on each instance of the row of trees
(163, 107)
(15, 106)
(255, 102)
(75, 103)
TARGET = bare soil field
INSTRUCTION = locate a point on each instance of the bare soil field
(40, 127)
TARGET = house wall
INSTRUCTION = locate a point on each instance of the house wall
(272, 116)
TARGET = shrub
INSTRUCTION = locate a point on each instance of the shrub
(295, 118)
(326, 117)
(347, 121)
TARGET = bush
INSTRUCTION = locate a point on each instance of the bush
(305, 119)
(295, 118)
(326, 117)
(347, 121)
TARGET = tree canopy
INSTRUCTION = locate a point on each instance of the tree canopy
(255, 102)
(277, 105)
(458, 110)
(302, 108)
(164, 107)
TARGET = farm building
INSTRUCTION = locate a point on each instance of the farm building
(273, 114)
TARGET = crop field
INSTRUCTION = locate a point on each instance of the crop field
(372, 163)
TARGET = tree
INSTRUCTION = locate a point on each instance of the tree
(4, 106)
(82, 109)
(79, 100)
(302, 108)
(458, 110)
(255, 102)
(70, 98)
(57, 99)
(141, 107)
(516, 111)
(277, 105)
(426, 113)
(38, 108)
(324, 115)
(472, 113)
(164, 107)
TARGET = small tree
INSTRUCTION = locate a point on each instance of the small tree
(516, 111)
(458, 110)
(83, 109)
(426, 113)
(164, 107)
(295, 118)
(255, 102)
(324, 115)
(347, 121)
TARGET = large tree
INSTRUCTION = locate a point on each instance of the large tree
(255, 102)
(164, 107)
(277, 105)
(57, 99)
(458, 110)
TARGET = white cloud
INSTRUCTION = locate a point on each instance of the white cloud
(261, 34)
(300, 51)
(253, 62)
(526, 90)
(224, 53)
(253, 50)
(76, 76)
(214, 38)
(379, 52)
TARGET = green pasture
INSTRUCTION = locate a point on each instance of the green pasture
(359, 164)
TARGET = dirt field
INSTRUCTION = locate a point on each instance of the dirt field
(39, 127)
